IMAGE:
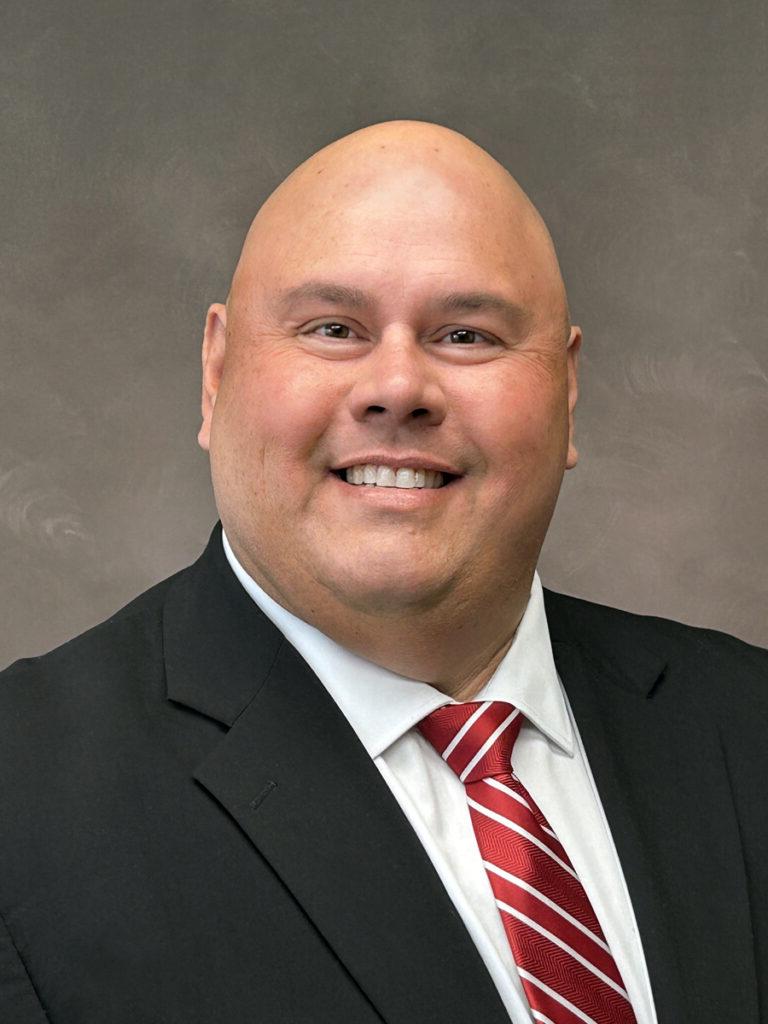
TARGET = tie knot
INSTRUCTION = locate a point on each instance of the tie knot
(475, 739)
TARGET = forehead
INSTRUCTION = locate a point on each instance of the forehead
(409, 230)
(416, 209)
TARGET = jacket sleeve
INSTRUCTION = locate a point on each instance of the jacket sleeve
(18, 1000)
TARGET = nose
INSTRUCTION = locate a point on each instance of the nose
(398, 384)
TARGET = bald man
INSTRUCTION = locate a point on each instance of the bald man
(355, 764)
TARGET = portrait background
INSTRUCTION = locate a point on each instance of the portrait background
(139, 139)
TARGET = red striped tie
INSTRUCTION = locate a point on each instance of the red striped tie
(566, 967)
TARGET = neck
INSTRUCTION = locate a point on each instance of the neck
(455, 653)
(455, 645)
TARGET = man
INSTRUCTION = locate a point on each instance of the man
(275, 787)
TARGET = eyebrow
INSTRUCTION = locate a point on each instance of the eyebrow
(482, 302)
(453, 302)
(325, 291)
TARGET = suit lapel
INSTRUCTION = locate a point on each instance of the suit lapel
(655, 755)
(295, 777)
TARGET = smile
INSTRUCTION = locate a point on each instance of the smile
(386, 476)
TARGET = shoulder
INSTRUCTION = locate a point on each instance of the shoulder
(91, 747)
(725, 673)
(47, 691)
(87, 730)
(575, 615)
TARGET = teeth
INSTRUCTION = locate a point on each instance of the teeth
(386, 476)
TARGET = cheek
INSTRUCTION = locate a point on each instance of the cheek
(526, 418)
(523, 435)
(278, 412)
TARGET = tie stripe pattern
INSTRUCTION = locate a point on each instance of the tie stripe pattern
(568, 973)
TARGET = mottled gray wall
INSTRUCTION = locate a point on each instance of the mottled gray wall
(138, 138)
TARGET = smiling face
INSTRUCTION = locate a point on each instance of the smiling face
(391, 315)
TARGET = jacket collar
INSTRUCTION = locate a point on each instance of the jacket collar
(219, 648)
(619, 654)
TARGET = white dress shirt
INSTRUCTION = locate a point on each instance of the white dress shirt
(383, 709)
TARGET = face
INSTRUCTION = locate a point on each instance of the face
(413, 331)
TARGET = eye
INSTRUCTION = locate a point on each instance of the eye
(465, 336)
(332, 329)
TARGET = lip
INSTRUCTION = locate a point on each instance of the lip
(413, 461)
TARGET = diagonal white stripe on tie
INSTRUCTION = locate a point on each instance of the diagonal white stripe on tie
(538, 1015)
(556, 996)
(520, 831)
(495, 784)
(547, 901)
(488, 744)
(562, 945)
(464, 730)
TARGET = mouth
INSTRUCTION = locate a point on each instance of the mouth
(403, 478)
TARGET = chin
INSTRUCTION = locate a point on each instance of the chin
(389, 593)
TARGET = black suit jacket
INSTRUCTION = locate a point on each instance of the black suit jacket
(191, 833)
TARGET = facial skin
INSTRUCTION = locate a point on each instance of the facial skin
(452, 350)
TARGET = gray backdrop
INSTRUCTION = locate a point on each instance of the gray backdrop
(138, 139)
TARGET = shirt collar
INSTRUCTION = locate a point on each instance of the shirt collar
(381, 706)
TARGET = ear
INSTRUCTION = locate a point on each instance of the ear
(214, 345)
(572, 357)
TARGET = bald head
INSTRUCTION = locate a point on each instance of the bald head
(406, 177)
